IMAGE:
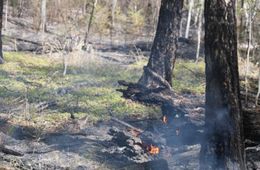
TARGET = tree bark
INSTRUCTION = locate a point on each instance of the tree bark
(113, 9)
(154, 86)
(43, 16)
(258, 91)
(6, 13)
(189, 19)
(162, 55)
(1, 21)
(94, 4)
(199, 29)
(223, 146)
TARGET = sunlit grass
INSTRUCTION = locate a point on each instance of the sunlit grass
(189, 77)
(88, 89)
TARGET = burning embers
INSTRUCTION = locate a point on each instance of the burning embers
(165, 119)
(153, 150)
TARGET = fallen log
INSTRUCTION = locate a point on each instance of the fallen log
(24, 40)
(10, 151)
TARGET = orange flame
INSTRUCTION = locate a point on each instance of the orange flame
(153, 150)
(164, 119)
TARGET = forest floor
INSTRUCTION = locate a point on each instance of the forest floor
(37, 103)
(51, 121)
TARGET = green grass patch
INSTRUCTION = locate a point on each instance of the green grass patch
(89, 90)
(189, 77)
(27, 80)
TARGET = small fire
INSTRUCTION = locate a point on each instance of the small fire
(153, 150)
(164, 119)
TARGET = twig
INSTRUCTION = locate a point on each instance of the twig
(127, 124)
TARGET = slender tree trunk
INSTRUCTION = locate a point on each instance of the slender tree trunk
(90, 23)
(241, 25)
(223, 147)
(258, 93)
(1, 21)
(181, 27)
(20, 9)
(84, 8)
(250, 18)
(199, 30)
(6, 13)
(113, 8)
(189, 19)
(249, 45)
(43, 16)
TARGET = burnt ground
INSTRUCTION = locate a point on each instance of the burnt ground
(109, 144)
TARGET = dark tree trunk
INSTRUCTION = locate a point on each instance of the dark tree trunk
(162, 56)
(252, 124)
(1, 21)
(223, 146)
(154, 87)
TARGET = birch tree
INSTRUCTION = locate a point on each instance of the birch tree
(200, 12)
(191, 3)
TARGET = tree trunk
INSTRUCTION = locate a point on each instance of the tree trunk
(113, 8)
(199, 30)
(154, 86)
(180, 30)
(20, 8)
(1, 21)
(6, 13)
(89, 23)
(162, 56)
(43, 16)
(258, 92)
(223, 146)
(189, 19)
(249, 45)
